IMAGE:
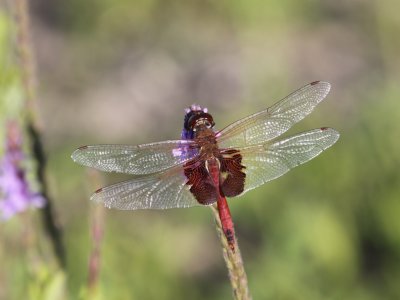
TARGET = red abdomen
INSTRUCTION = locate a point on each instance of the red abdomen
(222, 204)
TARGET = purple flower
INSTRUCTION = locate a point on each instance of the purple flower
(15, 193)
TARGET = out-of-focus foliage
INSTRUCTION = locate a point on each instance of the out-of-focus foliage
(123, 71)
(29, 271)
(9, 90)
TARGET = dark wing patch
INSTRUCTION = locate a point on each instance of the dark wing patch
(200, 182)
(233, 176)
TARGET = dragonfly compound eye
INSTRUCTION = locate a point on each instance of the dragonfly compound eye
(199, 118)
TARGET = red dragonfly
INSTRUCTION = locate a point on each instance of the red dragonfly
(205, 166)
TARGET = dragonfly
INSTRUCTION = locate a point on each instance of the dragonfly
(206, 166)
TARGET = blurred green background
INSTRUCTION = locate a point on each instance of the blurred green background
(123, 71)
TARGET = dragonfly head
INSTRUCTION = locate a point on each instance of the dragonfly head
(196, 119)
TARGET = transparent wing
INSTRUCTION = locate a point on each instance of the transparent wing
(272, 122)
(269, 161)
(162, 191)
(138, 160)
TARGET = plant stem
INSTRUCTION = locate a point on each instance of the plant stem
(29, 81)
(27, 62)
(97, 232)
(234, 263)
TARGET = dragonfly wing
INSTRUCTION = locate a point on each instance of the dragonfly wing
(263, 163)
(138, 160)
(161, 191)
(272, 122)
